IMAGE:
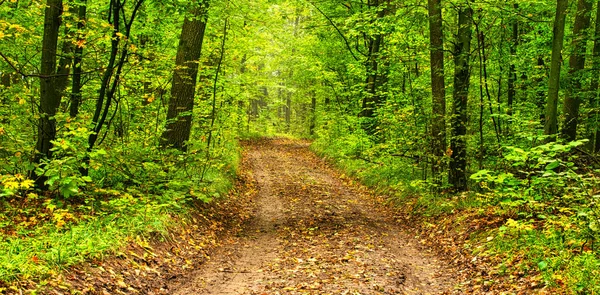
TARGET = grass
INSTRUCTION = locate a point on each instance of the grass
(46, 249)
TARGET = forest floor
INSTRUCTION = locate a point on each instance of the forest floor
(292, 225)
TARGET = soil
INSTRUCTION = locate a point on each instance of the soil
(315, 233)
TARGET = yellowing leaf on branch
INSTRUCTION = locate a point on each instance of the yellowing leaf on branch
(80, 43)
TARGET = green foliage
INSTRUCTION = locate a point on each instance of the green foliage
(68, 236)
(70, 153)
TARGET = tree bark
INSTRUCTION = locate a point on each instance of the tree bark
(594, 131)
(313, 113)
(66, 57)
(551, 117)
(77, 60)
(288, 110)
(5, 81)
(576, 64)
(458, 144)
(438, 88)
(372, 98)
(49, 92)
(512, 72)
(181, 104)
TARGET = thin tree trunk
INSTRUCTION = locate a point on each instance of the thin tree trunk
(288, 110)
(462, 75)
(438, 88)
(313, 113)
(213, 113)
(540, 97)
(483, 58)
(77, 60)
(577, 65)
(594, 131)
(372, 98)
(551, 124)
(512, 72)
(66, 58)
(481, 152)
(181, 104)
(112, 75)
(49, 92)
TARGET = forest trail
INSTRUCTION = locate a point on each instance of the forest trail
(312, 233)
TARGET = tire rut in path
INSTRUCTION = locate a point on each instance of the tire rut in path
(314, 234)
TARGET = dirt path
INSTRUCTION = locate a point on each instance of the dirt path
(314, 234)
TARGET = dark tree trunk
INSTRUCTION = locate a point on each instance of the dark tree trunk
(181, 104)
(112, 75)
(462, 75)
(66, 56)
(512, 72)
(540, 97)
(5, 81)
(49, 93)
(438, 88)
(313, 114)
(594, 131)
(77, 60)
(551, 124)
(288, 110)
(576, 64)
(372, 98)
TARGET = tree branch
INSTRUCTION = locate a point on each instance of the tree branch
(337, 29)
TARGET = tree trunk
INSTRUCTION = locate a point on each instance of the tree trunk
(512, 72)
(594, 131)
(181, 104)
(6, 83)
(66, 57)
(288, 110)
(438, 88)
(112, 75)
(77, 60)
(540, 95)
(576, 65)
(372, 99)
(551, 124)
(313, 113)
(462, 75)
(49, 92)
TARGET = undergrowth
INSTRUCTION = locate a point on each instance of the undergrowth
(84, 218)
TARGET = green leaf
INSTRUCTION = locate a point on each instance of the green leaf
(553, 165)
(594, 226)
(543, 265)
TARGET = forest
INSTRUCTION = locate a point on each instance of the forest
(139, 137)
